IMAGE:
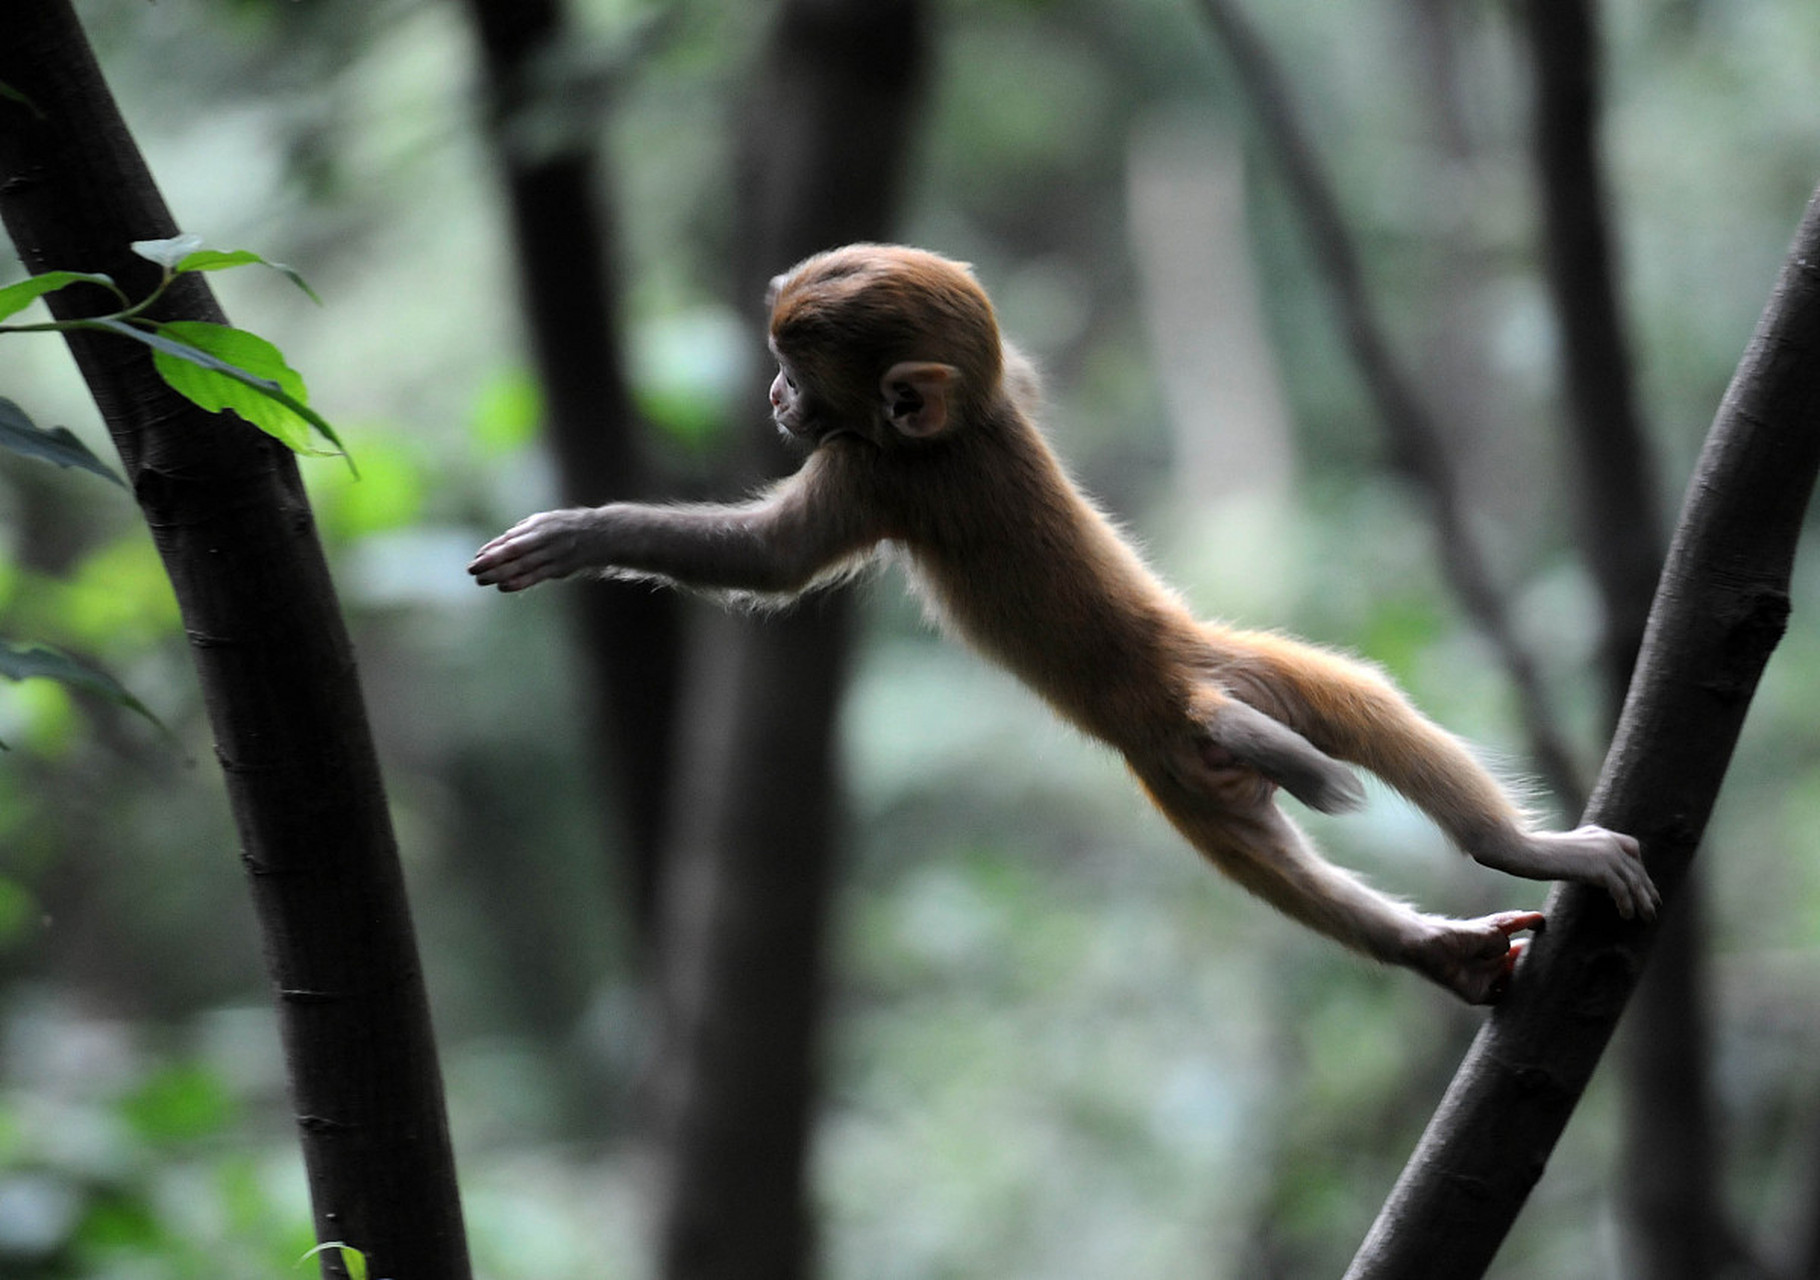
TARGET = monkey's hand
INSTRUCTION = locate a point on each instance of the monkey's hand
(1590, 855)
(550, 544)
(1473, 958)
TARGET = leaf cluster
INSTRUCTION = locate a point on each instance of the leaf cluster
(215, 366)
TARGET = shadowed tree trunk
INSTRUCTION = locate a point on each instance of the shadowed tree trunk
(1719, 611)
(1619, 517)
(753, 850)
(1668, 1186)
(228, 513)
(564, 240)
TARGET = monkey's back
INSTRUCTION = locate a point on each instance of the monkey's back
(1011, 556)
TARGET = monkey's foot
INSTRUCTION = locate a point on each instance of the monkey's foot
(1473, 958)
(1606, 860)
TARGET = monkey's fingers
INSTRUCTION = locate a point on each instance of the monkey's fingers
(514, 535)
(1508, 922)
(1609, 860)
(1626, 879)
(1476, 958)
(511, 564)
(1506, 968)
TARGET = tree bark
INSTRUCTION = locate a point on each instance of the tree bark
(1719, 611)
(753, 854)
(228, 513)
(564, 239)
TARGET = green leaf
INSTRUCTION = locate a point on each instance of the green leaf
(17, 297)
(42, 661)
(221, 368)
(351, 1258)
(241, 362)
(58, 445)
(221, 259)
(169, 252)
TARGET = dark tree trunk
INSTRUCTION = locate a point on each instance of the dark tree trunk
(1669, 1191)
(1719, 611)
(747, 895)
(564, 236)
(1620, 518)
(228, 513)
(754, 845)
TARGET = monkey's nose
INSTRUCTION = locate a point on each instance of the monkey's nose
(777, 392)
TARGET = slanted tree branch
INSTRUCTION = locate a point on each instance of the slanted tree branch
(1720, 608)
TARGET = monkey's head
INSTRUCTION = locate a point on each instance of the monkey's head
(892, 344)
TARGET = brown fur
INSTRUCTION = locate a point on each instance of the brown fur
(892, 369)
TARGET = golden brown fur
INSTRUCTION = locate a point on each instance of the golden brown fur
(893, 371)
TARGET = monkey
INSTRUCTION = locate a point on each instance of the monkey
(916, 417)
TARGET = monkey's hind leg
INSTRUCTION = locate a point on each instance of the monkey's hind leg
(1352, 712)
(1258, 845)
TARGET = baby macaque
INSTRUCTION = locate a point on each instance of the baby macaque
(916, 418)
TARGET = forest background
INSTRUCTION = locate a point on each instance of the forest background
(1053, 1045)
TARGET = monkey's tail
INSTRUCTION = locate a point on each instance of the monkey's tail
(1241, 734)
(1351, 711)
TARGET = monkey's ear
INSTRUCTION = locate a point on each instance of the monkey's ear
(917, 394)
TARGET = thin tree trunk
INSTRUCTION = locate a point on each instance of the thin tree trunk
(564, 239)
(229, 516)
(1418, 444)
(1619, 516)
(1668, 1189)
(747, 893)
(1719, 611)
(751, 872)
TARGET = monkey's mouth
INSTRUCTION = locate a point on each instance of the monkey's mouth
(790, 425)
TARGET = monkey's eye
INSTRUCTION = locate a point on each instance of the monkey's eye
(789, 381)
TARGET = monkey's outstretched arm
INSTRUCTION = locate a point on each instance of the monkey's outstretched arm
(779, 543)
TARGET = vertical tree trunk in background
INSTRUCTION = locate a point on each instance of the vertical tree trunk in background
(227, 510)
(1669, 1191)
(1619, 515)
(1719, 611)
(753, 854)
(1417, 443)
(1453, 350)
(565, 245)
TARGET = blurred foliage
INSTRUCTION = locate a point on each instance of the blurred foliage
(1060, 1047)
